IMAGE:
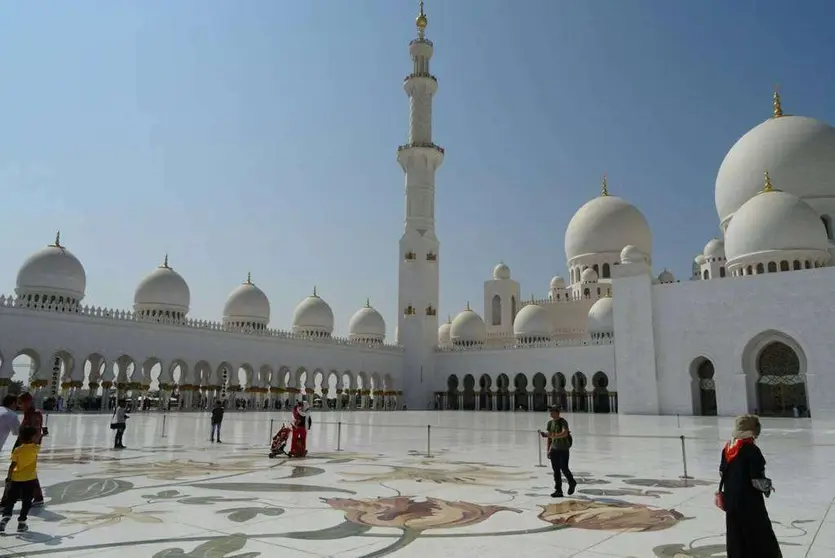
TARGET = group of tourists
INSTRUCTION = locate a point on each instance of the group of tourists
(741, 495)
(742, 489)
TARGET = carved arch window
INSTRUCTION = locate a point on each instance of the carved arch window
(496, 310)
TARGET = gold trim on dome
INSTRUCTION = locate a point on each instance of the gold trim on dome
(165, 262)
(604, 187)
(57, 243)
(776, 104)
(769, 187)
(421, 21)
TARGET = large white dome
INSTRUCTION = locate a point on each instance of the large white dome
(313, 316)
(601, 317)
(799, 152)
(715, 249)
(774, 220)
(557, 282)
(444, 334)
(605, 225)
(467, 328)
(367, 325)
(54, 271)
(532, 321)
(247, 303)
(162, 289)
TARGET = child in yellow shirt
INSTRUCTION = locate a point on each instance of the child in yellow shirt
(22, 479)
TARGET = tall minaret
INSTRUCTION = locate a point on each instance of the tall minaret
(417, 329)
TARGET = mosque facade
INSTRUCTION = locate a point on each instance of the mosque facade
(748, 331)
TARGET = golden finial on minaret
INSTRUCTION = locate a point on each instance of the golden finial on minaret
(604, 188)
(367, 302)
(314, 291)
(421, 21)
(248, 278)
(468, 305)
(165, 261)
(57, 243)
(768, 186)
(448, 319)
(776, 104)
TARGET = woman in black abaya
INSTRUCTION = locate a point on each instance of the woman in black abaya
(742, 494)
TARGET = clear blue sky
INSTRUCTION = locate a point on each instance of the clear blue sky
(261, 135)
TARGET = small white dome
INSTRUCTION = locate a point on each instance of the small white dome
(714, 248)
(532, 321)
(557, 282)
(367, 325)
(467, 328)
(666, 277)
(162, 289)
(589, 275)
(774, 220)
(247, 303)
(501, 272)
(313, 316)
(605, 225)
(601, 317)
(53, 270)
(799, 152)
(444, 333)
(699, 260)
(631, 254)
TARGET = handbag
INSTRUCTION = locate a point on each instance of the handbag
(718, 496)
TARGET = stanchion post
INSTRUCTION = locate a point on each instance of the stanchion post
(339, 436)
(539, 450)
(685, 477)
(272, 423)
(428, 440)
(164, 418)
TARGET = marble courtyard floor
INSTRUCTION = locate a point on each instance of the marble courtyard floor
(480, 493)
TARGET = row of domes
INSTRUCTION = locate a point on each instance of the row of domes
(533, 323)
(55, 274)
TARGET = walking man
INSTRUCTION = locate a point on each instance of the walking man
(559, 446)
(217, 419)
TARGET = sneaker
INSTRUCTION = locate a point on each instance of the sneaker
(218, 441)
(212, 440)
(556, 494)
(38, 504)
(571, 487)
(22, 527)
(3, 523)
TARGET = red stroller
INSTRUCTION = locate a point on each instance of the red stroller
(280, 441)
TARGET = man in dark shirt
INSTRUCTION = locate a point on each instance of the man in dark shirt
(217, 419)
(559, 446)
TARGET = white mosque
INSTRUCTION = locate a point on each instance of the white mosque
(749, 331)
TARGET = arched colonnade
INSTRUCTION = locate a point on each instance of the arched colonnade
(528, 394)
(98, 381)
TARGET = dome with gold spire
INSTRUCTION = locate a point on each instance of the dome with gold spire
(247, 306)
(605, 225)
(798, 151)
(163, 292)
(52, 274)
(367, 325)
